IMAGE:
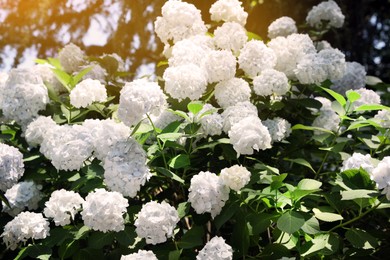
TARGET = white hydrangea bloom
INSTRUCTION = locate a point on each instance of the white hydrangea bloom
(322, 45)
(290, 50)
(256, 57)
(24, 95)
(156, 222)
(97, 72)
(220, 65)
(282, 26)
(11, 166)
(185, 81)
(327, 11)
(71, 58)
(326, 104)
(357, 161)
(45, 71)
(103, 210)
(353, 78)
(63, 206)
(270, 82)
(24, 226)
(327, 119)
(164, 119)
(105, 133)
(228, 11)
(138, 98)
(230, 92)
(211, 124)
(216, 249)
(233, 114)
(86, 92)
(249, 134)
(179, 20)
(3, 79)
(140, 255)
(37, 129)
(367, 96)
(278, 128)
(230, 36)
(25, 194)
(67, 146)
(316, 68)
(125, 169)
(235, 177)
(208, 193)
(190, 51)
(383, 118)
(381, 175)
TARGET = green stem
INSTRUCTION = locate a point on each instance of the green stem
(160, 146)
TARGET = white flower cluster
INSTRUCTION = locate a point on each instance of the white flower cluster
(230, 92)
(228, 11)
(233, 114)
(381, 175)
(45, 71)
(185, 81)
(249, 134)
(179, 20)
(24, 95)
(230, 36)
(207, 193)
(25, 194)
(24, 226)
(104, 134)
(211, 124)
(367, 97)
(327, 11)
(190, 51)
(219, 65)
(124, 167)
(86, 92)
(67, 146)
(327, 118)
(11, 166)
(270, 82)
(216, 249)
(71, 58)
(357, 161)
(317, 67)
(138, 98)
(3, 80)
(353, 78)
(97, 72)
(255, 57)
(156, 222)
(63, 206)
(290, 50)
(37, 129)
(103, 210)
(383, 118)
(278, 128)
(235, 177)
(164, 119)
(140, 255)
(283, 26)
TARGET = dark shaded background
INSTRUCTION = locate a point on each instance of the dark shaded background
(30, 28)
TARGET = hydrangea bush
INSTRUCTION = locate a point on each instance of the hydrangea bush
(241, 148)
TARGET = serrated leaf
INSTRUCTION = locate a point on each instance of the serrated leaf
(326, 216)
(290, 222)
(192, 238)
(361, 239)
(358, 194)
(179, 161)
(302, 162)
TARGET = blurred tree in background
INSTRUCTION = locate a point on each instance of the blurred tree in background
(30, 29)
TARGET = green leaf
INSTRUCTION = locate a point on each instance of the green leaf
(326, 216)
(290, 222)
(310, 128)
(194, 107)
(4, 199)
(192, 238)
(240, 235)
(183, 209)
(175, 255)
(169, 136)
(179, 161)
(315, 245)
(358, 194)
(82, 232)
(309, 184)
(336, 96)
(55, 62)
(99, 239)
(253, 36)
(372, 81)
(361, 239)
(371, 107)
(67, 249)
(352, 96)
(260, 222)
(227, 213)
(180, 113)
(311, 226)
(127, 236)
(63, 77)
(356, 179)
(301, 162)
(169, 174)
(35, 251)
(76, 79)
